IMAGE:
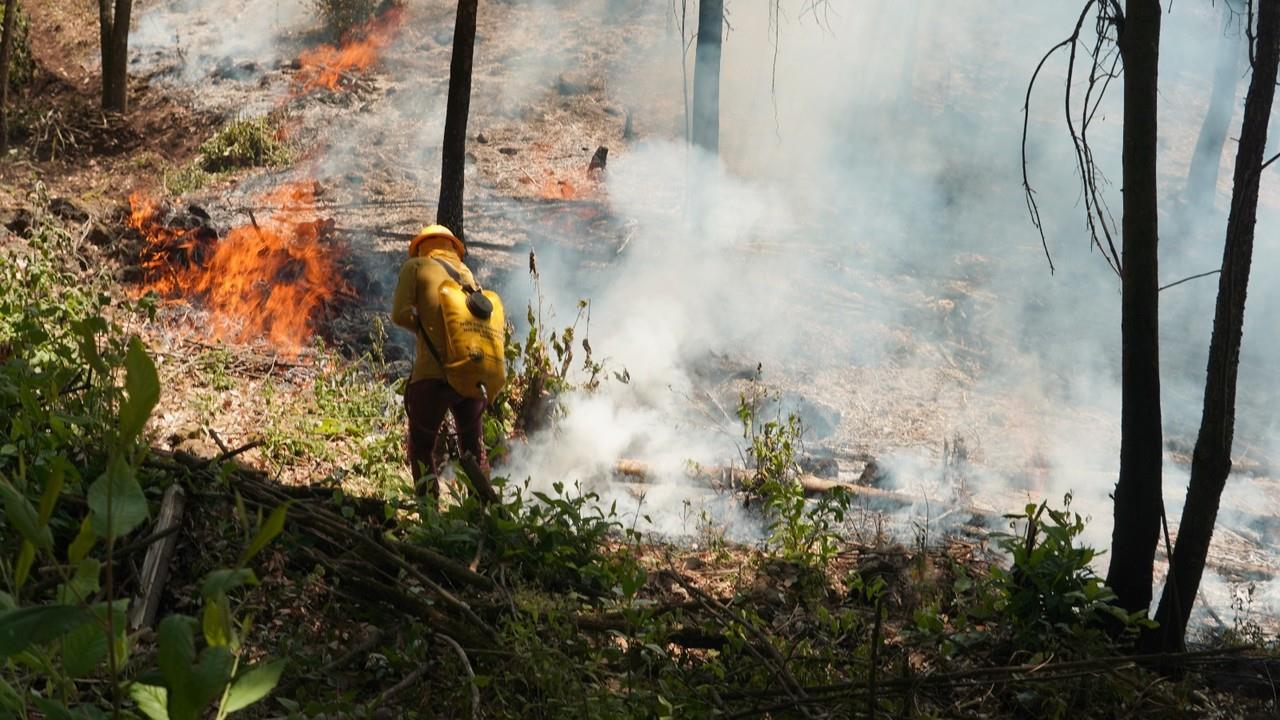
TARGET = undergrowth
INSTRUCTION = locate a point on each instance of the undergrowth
(77, 484)
(591, 618)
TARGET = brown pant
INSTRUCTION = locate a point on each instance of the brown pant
(426, 402)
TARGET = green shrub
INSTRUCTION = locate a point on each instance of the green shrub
(802, 532)
(1050, 597)
(76, 394)
(186, 179)
(248, 142)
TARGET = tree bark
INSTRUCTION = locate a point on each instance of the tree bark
(454, 152)
(6, 52)
(1202, 177)
(1137, 495)
(706, 76)
(1211, 460)
(113, 32)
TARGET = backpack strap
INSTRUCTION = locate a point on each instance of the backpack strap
(431, 346)
(472, 287)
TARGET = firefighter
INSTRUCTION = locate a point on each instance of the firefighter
(428, 397)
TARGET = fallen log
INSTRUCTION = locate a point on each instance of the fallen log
(155, 565)
(724, 479)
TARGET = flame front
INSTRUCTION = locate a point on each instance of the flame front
(272, 278)
(324, 67)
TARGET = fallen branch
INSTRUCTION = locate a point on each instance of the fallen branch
(471, 674)
(155, 566)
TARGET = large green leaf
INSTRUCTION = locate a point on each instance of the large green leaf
(89, 347)
(84, 541)
(22, 515)
(128, 506)
(83, 585)
(268, 532)
(191, 685)
(209, 679)
(152, 700)
(254, 685)
(142, 391)
(19, 629)
(216, 621)
(221, 582)
(83, 649)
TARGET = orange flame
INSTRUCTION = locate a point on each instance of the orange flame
(325, 67)
(270, 279)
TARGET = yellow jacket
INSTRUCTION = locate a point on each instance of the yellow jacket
(418, 293)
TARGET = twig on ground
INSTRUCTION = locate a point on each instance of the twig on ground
(471, 674)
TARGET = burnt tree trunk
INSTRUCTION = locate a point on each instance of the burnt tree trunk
(1137, 495)
(1211, 461)
(706, 76)
(1202, 177)
(454, 152)
(6, 53)
(113, 30)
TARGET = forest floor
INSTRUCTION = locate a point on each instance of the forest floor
(835, 597)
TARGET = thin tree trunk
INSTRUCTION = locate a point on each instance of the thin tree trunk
(6, 52)
(1137, 495)
(113, 33)
(1202, 177)
(1211, 461)
(453, 154)
(706, 76)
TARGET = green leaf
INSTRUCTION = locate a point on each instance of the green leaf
(220, 582)
(268, 532)
(192, 686)
(142, 391)
(53, 710)
(128, 504)
(88, 347)
(84, 541)
(83, 649)
(211, 676)
(216, 621)
(10, 700)
(152, 700)
(24, 627)
(22, 515)
(26, 558)
(254, 685)
(82, 586)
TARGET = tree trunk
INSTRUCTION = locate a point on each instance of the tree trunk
(706, 76)
(1211, 461)
(1137, 495)
(454, 153)
(1202, 177)
(6, 52)
(113, 32)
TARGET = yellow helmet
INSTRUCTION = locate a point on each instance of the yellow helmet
(434, 231)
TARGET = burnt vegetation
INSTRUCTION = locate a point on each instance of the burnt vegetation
(206, 506)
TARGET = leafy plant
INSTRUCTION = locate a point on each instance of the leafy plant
(246, 142)
(802, 532)
(1050, 596)
(186, 179)
(78, 393)
(553, 540)
(539, 369)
